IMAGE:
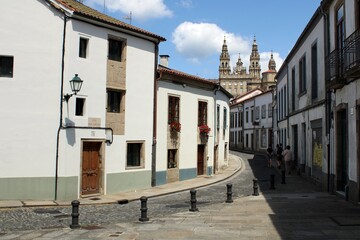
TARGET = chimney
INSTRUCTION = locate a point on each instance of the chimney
(164, 60)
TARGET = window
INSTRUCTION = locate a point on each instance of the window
(225, 119)
(252, 114)
(115, 50)
(218, 116)
(79, 106)
(6, 66)
(202, 113)
(302, 75)
(173, 111)
(270, 113)
(314, 72)
(172, 158)
(257, 113)
(83, 45)
(247, 116)
(293, 88)
(135, 155)
(114, 100)
(240, 114)
(263, 111)
(263, 138)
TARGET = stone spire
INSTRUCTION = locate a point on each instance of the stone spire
(224, 68)
(272, 64)
(255, 68)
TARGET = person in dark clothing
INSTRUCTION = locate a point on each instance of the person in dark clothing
(270, 155)
(279, 156)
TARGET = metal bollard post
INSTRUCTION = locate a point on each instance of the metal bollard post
(283, 177)
(272, 181)
(193, 207)
(256, 187)
(143, 209)
(75, 214)
(229, 193)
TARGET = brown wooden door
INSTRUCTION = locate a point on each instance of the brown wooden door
(90, 168)
(200, 160)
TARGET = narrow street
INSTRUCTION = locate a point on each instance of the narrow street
(295, 210)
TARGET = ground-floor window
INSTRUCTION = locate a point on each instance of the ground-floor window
(172, 158)
(135, 154)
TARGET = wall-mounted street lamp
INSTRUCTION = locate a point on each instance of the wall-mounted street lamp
(75, 85)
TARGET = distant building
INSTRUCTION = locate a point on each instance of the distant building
(185, 105)
(239, 81)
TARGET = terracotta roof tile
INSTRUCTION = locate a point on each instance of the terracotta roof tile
(81, 9)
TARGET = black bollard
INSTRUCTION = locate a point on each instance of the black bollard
(229, 193)
(272, 181)
(143, 209)
(193, 207)
(75, 214)
(283, 177)
(256, 187)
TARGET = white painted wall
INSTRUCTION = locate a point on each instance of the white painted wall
(29, 102)
(189, 97)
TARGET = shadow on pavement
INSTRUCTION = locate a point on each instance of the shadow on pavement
(299, 210)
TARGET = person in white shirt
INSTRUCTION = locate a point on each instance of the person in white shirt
(287, 154)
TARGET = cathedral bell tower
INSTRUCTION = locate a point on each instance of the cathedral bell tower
(224, 68)
(254, 68)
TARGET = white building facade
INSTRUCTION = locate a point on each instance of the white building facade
(100, 140)
(301, 102)
(187, 107)
(342, 74)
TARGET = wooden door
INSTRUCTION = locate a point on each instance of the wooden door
(216, 156)
(200, 160)
(90, 181)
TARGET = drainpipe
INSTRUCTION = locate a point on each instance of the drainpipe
(153, 157)
(327, 96)
(217, 88)
(61, 107)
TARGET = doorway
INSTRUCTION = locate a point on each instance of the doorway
(200, 160)
(341, 147)
(90, 180)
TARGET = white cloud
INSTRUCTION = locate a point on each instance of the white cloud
(140, 9)
(199, 41)
(185, 3)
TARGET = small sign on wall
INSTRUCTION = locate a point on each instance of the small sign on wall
(94, 122)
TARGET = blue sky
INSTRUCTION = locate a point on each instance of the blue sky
(195, 29)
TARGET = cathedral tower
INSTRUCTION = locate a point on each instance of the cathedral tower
(224, 68)
(255, 69)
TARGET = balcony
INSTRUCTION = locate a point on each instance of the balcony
(334, 70)
(352, 55)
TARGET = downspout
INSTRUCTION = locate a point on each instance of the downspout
(153, 159)
(327, 96)
(287, 107)
(61, 108)
(217, 88)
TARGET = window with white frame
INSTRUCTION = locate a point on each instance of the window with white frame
(6, 66)
(135, 157)
(263, 111)
(83, 47)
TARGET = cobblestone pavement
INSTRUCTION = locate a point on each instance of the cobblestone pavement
(295, 210)
(29, 218)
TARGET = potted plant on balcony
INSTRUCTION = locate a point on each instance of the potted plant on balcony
(204, 129)
(175, 126)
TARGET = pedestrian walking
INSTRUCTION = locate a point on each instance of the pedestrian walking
(287, 154)
(279, 155)
(270, 155)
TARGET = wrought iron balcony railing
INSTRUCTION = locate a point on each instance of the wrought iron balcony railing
(334, 69)
(352, 55)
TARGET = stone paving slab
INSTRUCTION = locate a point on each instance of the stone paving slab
(10, 204)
